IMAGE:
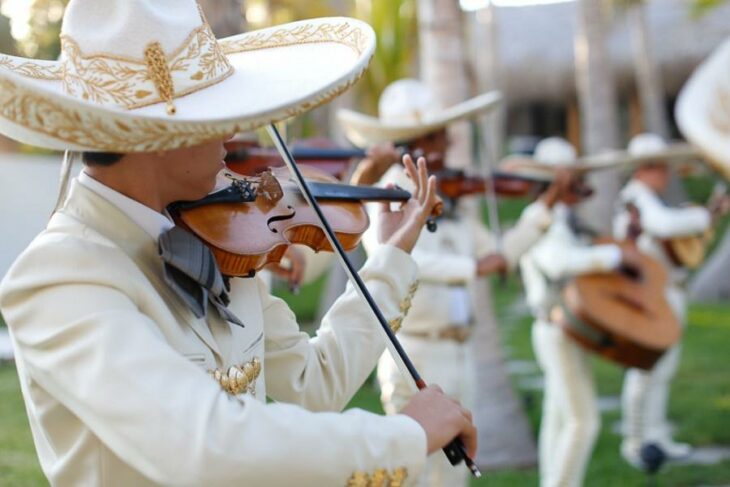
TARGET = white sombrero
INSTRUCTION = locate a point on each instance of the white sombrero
(703, 109)
(552, 154)
(650, 148)
(139, 75)
(407, 110)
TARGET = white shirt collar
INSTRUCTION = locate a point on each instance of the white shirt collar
(152, 222)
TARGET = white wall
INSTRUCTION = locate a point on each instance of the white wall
(28, 190)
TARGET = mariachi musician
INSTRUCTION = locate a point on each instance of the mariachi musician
(134, 368)
(436, 331)
(646, 393)
(570, 416)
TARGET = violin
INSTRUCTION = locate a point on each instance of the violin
(453, 184)
(248, 158)
(251, 220)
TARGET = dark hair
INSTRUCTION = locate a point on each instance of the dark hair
(101, 158)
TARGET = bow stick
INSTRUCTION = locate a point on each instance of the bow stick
(487, 166)
(455, 450)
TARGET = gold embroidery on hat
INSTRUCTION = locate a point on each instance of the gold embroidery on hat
(51, 71)
(239, 378)
(112, 79)
(159, 73)
(54, 118)
(352, 37)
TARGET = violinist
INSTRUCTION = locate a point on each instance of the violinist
(138, 365)
(646, 393)
(570, 417)
(437, 330)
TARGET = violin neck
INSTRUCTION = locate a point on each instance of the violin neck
(325, 153)
(343, 192)
(520, 177)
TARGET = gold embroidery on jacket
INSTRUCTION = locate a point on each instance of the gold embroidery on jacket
(404, 306)
(379, 478)
(398, 477)
(395, 324)
(239, 378)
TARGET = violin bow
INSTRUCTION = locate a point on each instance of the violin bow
(485, 159)
(455, 451)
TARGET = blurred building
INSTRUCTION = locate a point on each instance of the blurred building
(537, 63)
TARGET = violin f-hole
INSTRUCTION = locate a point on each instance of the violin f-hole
(278, 218)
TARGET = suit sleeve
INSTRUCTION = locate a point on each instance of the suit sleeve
(324, 372)
(531, 226)
(434, 267)
(109, 365)
(559, 256)
(661, 221)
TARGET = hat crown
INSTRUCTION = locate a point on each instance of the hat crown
(555, 150)
(136, 53)
(407, 101)
(646, 144)
(126, 28)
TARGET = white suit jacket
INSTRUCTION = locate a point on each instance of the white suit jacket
(658, 222)
(115, 370)
(448, 257)
(559, 255)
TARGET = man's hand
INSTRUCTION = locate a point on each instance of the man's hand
(560, 185)
(294, 271)
(630, 260)
(384, 155)
(403, 226)
(491, 264)
(378, 160)
(443, 419)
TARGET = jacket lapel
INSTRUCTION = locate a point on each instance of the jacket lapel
(106, 219)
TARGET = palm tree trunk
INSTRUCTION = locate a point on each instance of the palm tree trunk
(648, 77)
(505, 439)
(598, 102)
(442, 56)
(224, 16)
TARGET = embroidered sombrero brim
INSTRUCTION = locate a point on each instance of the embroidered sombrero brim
(277, 73)
(530, 167)
(363, 130)
(703, 109)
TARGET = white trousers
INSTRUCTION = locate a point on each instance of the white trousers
(444, 362)
(645, 394)
(570, 416)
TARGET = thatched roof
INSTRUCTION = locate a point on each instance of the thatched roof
(536, 45)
